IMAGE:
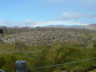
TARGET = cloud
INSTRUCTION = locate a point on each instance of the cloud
(71, 15)
(92, 16)
(86, 2)
(77, 17)
(90, 4)
(4, 23)
(27, 22)
(9, 23)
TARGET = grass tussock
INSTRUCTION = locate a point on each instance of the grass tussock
(20, 47)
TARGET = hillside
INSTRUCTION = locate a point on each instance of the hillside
(42, 56)
(74, 26)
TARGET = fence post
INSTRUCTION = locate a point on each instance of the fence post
(1, 70)
(20, 66)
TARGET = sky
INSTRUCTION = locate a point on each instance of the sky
(32, 12)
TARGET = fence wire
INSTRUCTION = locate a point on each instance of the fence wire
(61, 64)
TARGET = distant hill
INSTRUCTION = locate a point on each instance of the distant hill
(93, 25)
(74, 26)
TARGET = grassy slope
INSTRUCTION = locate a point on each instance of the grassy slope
(93, 70)
(45, 56)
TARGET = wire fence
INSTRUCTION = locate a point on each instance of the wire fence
(20, 65)
(61, 64)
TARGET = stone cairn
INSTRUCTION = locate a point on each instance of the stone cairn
(49, 37)
(1, 35)
(42, 37)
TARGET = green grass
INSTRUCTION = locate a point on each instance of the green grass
(41, 56)
(80, 34)
(93, 70)
(5, 35)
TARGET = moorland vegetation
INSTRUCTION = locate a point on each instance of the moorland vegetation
(41, 55)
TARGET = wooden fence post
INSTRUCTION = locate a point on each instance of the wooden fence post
(20, 66)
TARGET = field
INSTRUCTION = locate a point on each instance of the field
(42, 55)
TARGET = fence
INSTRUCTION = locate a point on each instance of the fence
(21, 65)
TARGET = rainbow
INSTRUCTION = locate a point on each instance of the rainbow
(68, 23)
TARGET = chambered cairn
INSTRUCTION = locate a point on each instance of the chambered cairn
(50, 37)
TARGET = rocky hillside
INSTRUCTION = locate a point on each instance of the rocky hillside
(41, 37)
